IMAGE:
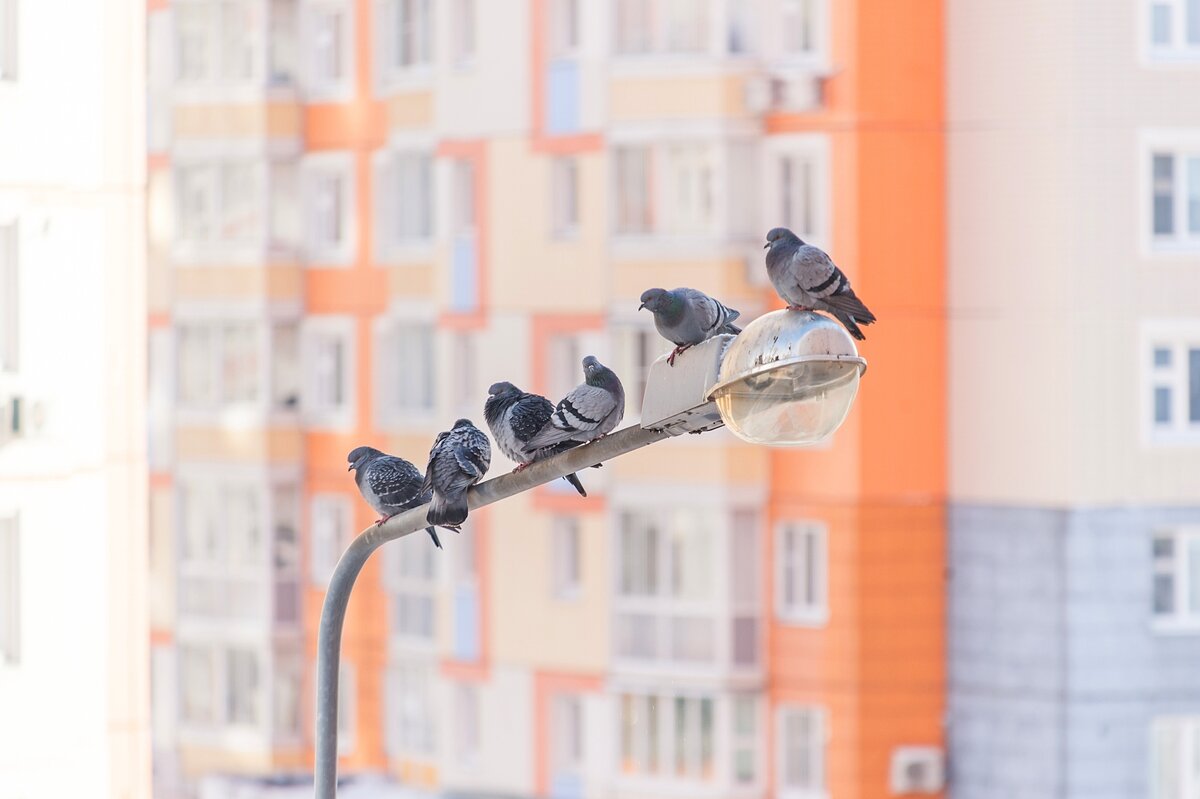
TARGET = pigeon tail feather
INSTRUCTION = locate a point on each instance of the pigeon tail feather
(848, 320)
(848, 303)
(573, 479)
(447, 511)
(433, 534)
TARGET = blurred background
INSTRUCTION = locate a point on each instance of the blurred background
(239, 238)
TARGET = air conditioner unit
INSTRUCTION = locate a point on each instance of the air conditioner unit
(917, 770)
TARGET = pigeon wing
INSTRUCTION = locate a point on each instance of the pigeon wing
(577, 415)
(394, 480)
(473, 454)
(529, 415)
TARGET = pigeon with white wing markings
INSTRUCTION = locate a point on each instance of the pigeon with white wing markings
(515, 416)
(808, 280)
(685, 317)
(459, 459)
(591, 410)
(389, 484)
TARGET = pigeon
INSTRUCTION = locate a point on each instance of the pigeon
(458, 460)
(685, 317)
(590, 411)
(514, 416)
(808, 280)
(389, 484)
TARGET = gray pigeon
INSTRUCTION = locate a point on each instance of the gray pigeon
(515, 416)
(591, 410)
(459, 459)
(389, 484)
(685, 317)
(808, 280)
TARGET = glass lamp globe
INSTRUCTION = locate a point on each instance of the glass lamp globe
(788, 379)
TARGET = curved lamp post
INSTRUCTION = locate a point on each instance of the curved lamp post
(787, 380)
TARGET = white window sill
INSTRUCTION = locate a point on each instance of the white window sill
(235, 416)
(1165, 57)
(323, 93)
(340, 420)
(185, 93)
(1173, 626)
(399, 80)
(1159, 438)
(810, 619)
(698, 63)
(418, 253)
(329, 258)
(1177, 246)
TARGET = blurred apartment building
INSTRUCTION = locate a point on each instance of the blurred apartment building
(1074, 425)
(74, 680)
(363, 212)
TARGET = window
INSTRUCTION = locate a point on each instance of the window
(404, 194)
(564, 191)
(1174, 29)
(10, 300)
(669, 189)
(329, 370)
(797, 183)
(220, 686)
(223, 561)
(467, 732)
(1171, 404)
(285, 557)
(410, 579)
(286, 687)
(1175, 197)
(347, 720)
(10, 591)
(661, 26)
(565, 554)
(801, 756)
(1176, 579)
(405, 374)
(666, 593)
(801, 564)
(637, 346)
(411, 705)
(801, 29)
(564, 28)
(564, 358)
(745, 740)
(330, 34)
(1175, 758)
(215, 45)
(688, 750)
(329, 195)
(285, 366)
(409, 34)
(222, 205)
(218, 364)
(8, 39)
(330, 520)
(566, 738)
(463, 31)
(463, 393)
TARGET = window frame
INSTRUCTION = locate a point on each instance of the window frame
(1183, 145)
(1179, 52)
(387, 330)
(321, 560)
(419, 71)
(420, 586)
(401, 698)
(391, 244)
(316, 170)
(10, 42)
(566, 558)
(813, 149)
(1180, 337)
(315, 14)
(1182, 620)
(318, 414)
(10, 297)
(565, 197)
(10, 589)
(802, 614)
(819, 760)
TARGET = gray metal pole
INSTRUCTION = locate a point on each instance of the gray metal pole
(333, 613)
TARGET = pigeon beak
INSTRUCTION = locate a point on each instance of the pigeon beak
(350, 467)
(765, 246)
(640, 307)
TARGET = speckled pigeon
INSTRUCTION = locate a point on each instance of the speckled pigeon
(459, 459)
(590, 411)
(515, 416)
(807, 279)
(685, 317)
(389, 484)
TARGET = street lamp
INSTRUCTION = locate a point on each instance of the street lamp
(787, 379)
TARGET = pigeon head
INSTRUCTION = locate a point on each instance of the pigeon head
(503, 387)
(359, 456)
(597, 374)
(654, 299)
(463, 423)
(780, 234)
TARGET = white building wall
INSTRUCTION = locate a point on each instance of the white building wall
(75, 720)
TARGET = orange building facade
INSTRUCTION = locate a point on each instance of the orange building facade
(363, 213)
